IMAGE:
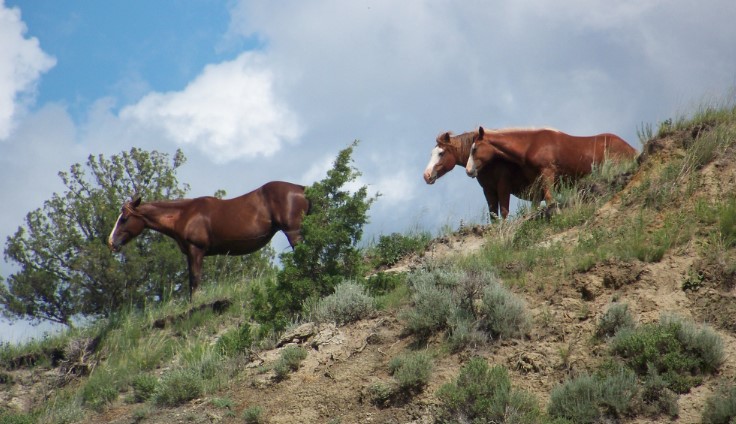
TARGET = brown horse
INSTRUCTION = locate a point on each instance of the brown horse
(499, 180)
(209, 226)
(545, 153)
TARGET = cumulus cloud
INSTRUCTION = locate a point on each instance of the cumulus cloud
(232, 110)
(21, 64)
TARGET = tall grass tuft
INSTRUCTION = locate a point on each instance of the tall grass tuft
(617, 317)
(178, 387)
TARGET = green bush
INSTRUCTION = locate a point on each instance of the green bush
(144, 386)
(390, 249)
(348, 303)
(432, 302)
(289, 361)
(482, 394)
(7, 417)
(727, 223)
(329, 253)
(235, 341)
(588, 399)
(100, 390)
(178, 387)
(720, 408)
(253, 415)
(617, 317)
(677, 350)
(411, 370)
(383, 283)
(503, 314)
(448, 298)
(380, 394)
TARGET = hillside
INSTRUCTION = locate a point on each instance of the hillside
(660, 238)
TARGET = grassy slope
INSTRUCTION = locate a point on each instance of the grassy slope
(671, 227)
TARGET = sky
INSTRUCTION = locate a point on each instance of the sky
(254, 91)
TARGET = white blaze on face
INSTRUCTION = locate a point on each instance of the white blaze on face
(430, 174)
(470, 166)
(109, 239)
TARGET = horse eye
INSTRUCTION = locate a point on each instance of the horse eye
(441, 153)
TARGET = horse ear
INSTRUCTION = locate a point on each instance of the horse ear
(444, 138)
(136, 200)
(481, 133)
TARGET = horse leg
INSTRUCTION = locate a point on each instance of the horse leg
(504, 198)
(492, 199)
(195, 257)
(294, 236)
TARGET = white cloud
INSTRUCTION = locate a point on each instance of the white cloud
(21, 63)
(232, 110)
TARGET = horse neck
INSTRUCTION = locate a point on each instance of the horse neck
(160, 216)
(462, 144)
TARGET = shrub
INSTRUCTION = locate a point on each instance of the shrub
(329, 253)
(390, 249)
(383, 283)
(720, 408)
(100, 390)
(678, 350)
(432, 302)
(380, 394)
(411, 371)
(289, 361)
(178, 387)
(144, 386)
(484, 394)
(504, 315)
(727, 223)
(587, 399)
(617, 317)
(237, 340)
(253, 415)
(348, 303)
(12, 418)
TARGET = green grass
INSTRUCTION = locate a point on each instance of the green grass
(178, 387)
(289, 361)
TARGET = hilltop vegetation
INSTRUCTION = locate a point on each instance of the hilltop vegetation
(618, 308)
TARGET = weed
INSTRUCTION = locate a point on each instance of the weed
(7, 417)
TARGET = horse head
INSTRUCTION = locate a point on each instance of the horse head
(128, 225)
(481, 152)
(442, 160)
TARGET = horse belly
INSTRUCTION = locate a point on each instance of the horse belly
(239, 247)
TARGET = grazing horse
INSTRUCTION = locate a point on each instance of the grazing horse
(499, 180)
(545, 153)
(209, 226)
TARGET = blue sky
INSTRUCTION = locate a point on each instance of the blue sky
(254, 91)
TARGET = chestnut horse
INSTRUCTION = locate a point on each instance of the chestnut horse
(545, 153)
(499, 180)
(209, 226)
